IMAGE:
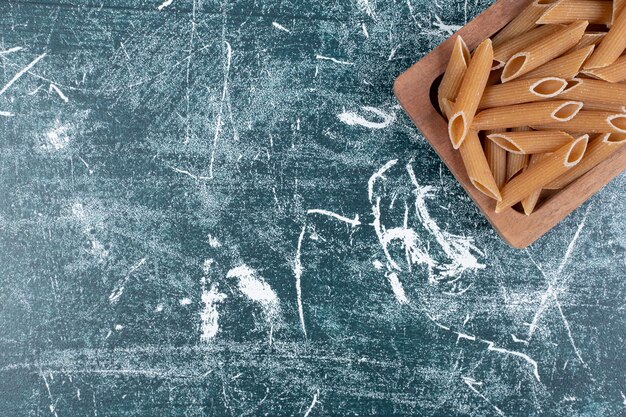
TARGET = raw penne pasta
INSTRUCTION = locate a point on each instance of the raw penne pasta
(596, 91)
(524, 22)
(590, 121)
(523, 91)
(452, 78)
(618, 6)
(529, 203)
(614, 73)
(611, 46)
(598, 150)
(567, 66)
(503, 52)
(568, 11)
(544, 51)
(542, 173)
(496, 158)
(470, 92)
(447, 107)
(613, 108)
(532, 142)
(515, 163)
(477, 166)
(527, 114)
(588, 39)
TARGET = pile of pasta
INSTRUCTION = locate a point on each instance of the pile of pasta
(542, 103)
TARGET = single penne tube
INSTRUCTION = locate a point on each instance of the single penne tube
(529, 114)
(470, 92)
(524, 22)
(567, 66)
(614, 73)
(452, 78)
(515, 163)
(533, 142)
(613, 108)
(596, 91)
(477, 166)
(529, 203)
(447, 108)
(544, 51)
(598, 151)
(496, 158)
(589, 39)
(590, 121)
(542, 173)
(612, 46)
(522, 91)
(618, 6)
(504, 51)
(568, 11)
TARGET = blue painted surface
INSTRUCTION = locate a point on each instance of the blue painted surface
(218, 208)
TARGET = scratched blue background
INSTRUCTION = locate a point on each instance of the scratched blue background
(218, 208)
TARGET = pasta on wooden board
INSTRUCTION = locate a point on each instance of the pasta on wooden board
(528, 114)
(590, 121)
(530, 202)
(496, 157)
(599, 149)
(524, 22)
(612, 46)
(505, 51)
(470, 93)
(522, 91)
(567, 66)
(532, 142)
(596, 91)
(477, 166)
(452, 78)
(568, 11)
(544, 50)
(614, 73)
(542, 173)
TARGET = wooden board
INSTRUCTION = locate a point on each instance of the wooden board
(412, 89)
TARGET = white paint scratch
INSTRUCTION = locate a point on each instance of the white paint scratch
(397, 288)
(256, 289)
(20, 73)
(280, 27)
(52, 402)
(6, 114)
(11, 50)
(335, 60)
(165, 4)
(491, 347)
(364, 29)
(568, 329)
(378, 175)
(209, 316)
(448, 29)
(218, 122)
(185, 172)
(118, 290)
(57, 90)
(472, 384)
(353, 119)
(353, 222)
(366, 7)
(185, 301)
(297, 271)
(313, 403)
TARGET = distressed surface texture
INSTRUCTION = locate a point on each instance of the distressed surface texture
(218, 208)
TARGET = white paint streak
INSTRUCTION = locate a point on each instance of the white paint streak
(491, 347)
(11, 50)
(218, 122)
(118, 290)
(448, 29)
(165, 4)
(195, 177)
(280, 27)
(297, 271)
(569, 330)
(472, 384)
(52, 402)
(185, 301)
(353, 119)
(57, 90)
(6, 114)
(313, 403)
(364, 29)
(256, 289)
(366, 7)
(213, 242)
(20, 73)
(209, 316)
(57, 138)
(335, 60)
(354, 222)
(397, 288)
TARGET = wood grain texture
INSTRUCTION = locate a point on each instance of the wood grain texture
(515, 228)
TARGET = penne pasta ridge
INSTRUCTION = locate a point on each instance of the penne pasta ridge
(612, 46)
(452, 78)
(534, 142)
